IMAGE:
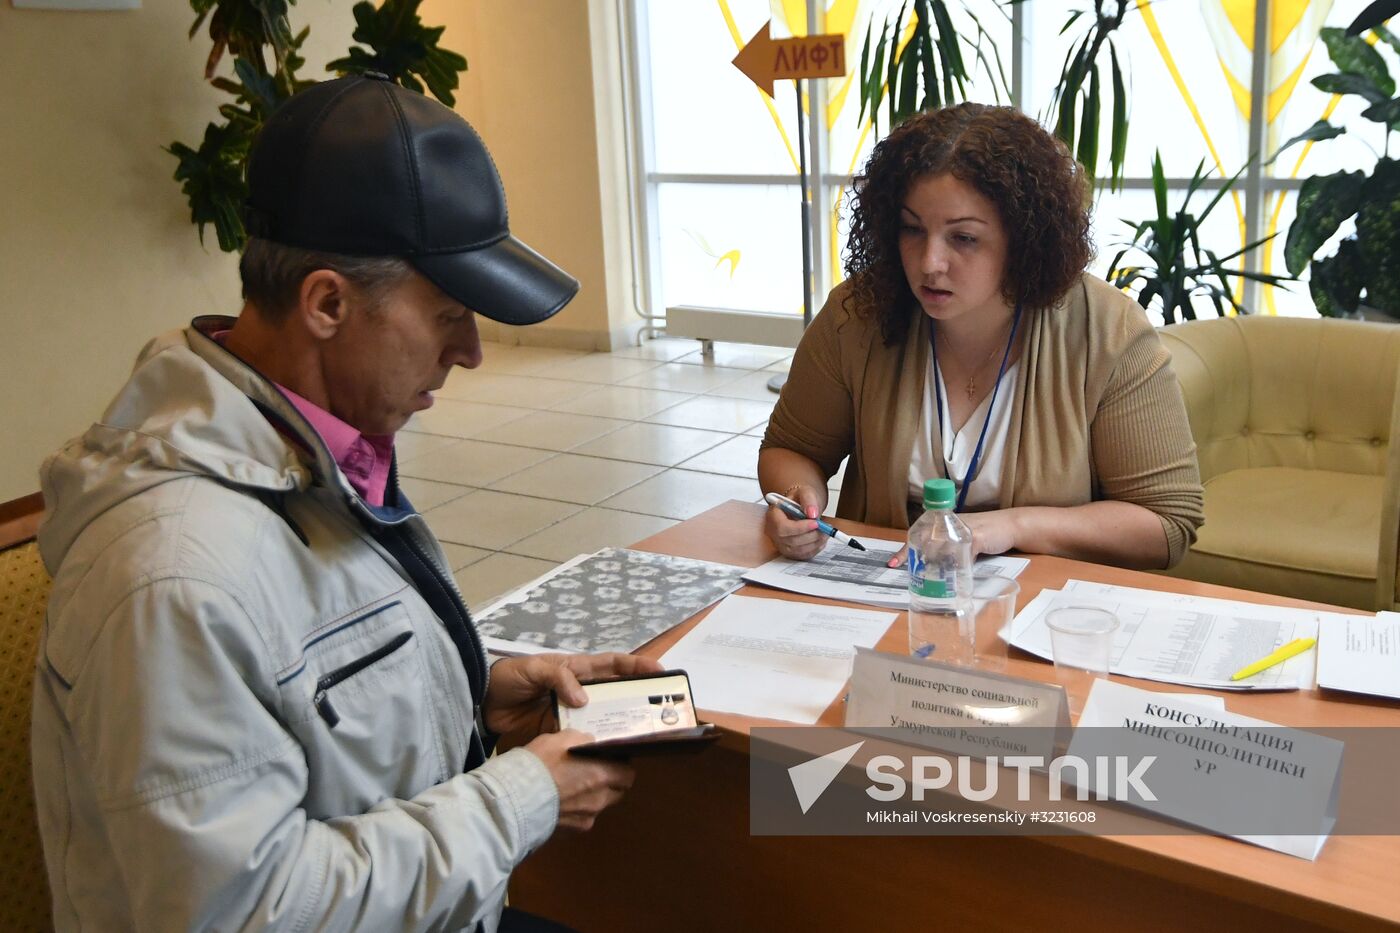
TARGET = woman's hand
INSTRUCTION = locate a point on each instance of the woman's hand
(797, 539)
(992, 533)
(1123, 534)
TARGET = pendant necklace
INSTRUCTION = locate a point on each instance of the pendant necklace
(971, 387)
(938, 404)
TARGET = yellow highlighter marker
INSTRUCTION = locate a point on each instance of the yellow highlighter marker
(1297, 646)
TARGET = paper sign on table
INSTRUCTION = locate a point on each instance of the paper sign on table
(950, 708)
(1217, 770)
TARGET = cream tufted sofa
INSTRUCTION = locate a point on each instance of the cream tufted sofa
(1293, 421)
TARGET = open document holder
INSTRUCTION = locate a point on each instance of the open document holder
(644, 715)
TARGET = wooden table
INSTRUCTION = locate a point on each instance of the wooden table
(676, 854)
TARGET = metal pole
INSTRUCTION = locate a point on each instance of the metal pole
(777, 382)
(817, 152)
(1258, 136)
(806, 211)
(1021, 57)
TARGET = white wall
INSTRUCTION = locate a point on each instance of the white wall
(97, 253)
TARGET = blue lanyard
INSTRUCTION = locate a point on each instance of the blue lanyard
(938, 391)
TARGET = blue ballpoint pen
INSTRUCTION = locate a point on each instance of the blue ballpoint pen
(793, 510)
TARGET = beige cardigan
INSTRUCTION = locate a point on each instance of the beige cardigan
(1096, 414)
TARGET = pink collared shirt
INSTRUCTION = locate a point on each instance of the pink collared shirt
(363, 458)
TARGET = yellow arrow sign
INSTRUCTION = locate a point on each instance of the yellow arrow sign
(766, 60)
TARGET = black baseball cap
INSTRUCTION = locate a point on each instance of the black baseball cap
(363, 167)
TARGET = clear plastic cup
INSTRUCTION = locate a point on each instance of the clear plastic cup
(1081, 641)
(941, 633)
(994, 607)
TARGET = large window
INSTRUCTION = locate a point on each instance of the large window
(717, 162)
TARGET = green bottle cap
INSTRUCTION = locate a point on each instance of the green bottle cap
(940, 494)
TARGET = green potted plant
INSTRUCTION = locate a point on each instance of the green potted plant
(932, 62)
(1171, 265)
(1365, 268)
(266, 58)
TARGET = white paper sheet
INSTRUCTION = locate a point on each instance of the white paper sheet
(1360, 654)
(842, 572)
(772, 658)
(1181, 639)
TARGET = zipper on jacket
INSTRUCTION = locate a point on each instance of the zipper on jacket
(323, 702)
(467, 639)
(464, 614)
(440, 592)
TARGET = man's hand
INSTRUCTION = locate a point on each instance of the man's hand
(587, 786)
(518, 705)
(797, 539)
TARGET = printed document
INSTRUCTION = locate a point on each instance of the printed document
(1180, 639)
(773, 658)
(1361, 654)
(616, 599)
(842, 572)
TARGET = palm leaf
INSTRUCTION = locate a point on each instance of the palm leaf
(997, 70)
(1223, 190)
(1176, 266)
(864, 73)
(1089, 130)
(948, 51)
(1069, 97)
(1159, 185)
(1119, 146)
(908, 85)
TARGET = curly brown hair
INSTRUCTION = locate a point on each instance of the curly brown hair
(1040, 192)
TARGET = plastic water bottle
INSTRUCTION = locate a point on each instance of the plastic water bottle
(940, 579)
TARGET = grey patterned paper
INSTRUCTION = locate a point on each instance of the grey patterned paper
(615, 600)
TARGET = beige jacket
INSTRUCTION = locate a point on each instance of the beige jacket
(1096, 412)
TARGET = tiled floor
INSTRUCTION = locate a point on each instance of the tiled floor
(542, 454)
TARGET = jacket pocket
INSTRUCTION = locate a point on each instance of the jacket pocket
(364, 712)
(322, 699)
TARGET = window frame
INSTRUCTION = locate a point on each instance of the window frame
(1255, 184)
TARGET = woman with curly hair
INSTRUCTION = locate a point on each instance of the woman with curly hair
(969, 342)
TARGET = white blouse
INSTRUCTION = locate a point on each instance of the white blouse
(957, 447)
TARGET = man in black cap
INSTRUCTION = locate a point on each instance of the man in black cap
(260, 701)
